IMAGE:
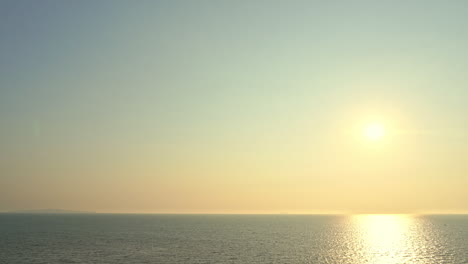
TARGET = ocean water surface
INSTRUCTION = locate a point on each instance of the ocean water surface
(109, 238)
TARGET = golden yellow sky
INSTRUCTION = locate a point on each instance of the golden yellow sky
(228, 107)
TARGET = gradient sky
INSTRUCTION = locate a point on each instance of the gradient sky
(234, 106)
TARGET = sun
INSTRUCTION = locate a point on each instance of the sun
(374, 131)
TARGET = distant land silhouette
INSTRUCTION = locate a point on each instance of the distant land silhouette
(49, 211)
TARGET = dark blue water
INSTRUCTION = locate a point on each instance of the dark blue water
(101, 238)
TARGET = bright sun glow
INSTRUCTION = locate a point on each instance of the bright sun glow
(374, 131)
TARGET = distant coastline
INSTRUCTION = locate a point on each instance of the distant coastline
(49, 211)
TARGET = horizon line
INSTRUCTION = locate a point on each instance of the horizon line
(240, 213)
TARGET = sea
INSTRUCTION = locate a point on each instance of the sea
(132, 238)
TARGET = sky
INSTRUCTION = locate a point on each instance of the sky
(234, 106)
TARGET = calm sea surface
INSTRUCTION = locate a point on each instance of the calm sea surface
(233, 239)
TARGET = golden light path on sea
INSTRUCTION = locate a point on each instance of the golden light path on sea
(387, 239)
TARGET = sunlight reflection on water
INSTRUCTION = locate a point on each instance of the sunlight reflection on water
(388, 239)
